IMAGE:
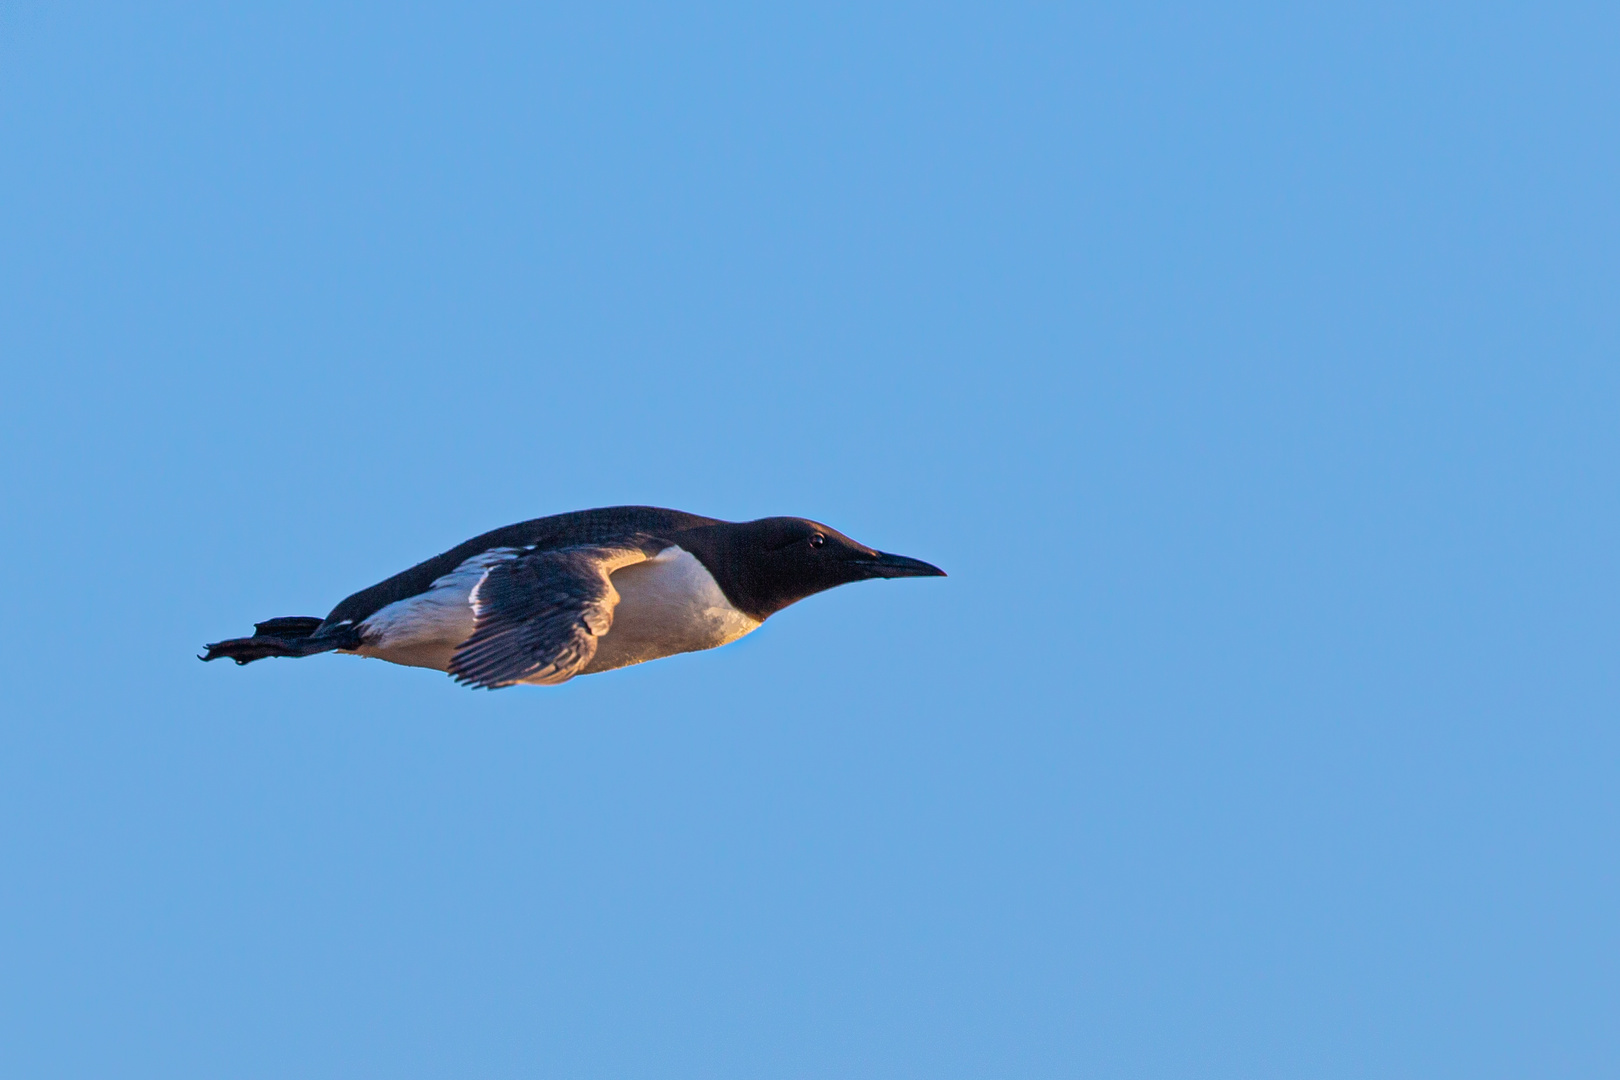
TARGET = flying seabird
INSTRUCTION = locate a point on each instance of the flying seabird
(574, 594)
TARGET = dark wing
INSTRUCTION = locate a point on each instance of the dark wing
(539, 616)
(607, 526)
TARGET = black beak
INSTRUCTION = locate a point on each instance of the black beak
(886, 565)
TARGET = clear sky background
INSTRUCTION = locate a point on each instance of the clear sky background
(1252, 372)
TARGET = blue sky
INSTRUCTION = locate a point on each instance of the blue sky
(1252, 372)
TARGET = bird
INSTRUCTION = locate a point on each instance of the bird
(542, 601)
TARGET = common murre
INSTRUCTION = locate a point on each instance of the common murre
(574, 594)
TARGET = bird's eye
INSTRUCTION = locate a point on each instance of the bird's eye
(816, 539)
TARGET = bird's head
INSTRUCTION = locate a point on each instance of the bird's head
(766, 565)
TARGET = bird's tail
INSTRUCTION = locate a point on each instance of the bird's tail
(291, 636)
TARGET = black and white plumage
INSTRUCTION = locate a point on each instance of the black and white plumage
(542, 601)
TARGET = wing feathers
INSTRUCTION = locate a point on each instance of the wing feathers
(539, 616)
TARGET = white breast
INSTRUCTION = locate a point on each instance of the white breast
(668, 604)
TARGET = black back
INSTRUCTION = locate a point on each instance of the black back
(762, 566)
(543, 534)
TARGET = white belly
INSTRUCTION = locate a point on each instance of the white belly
(668, 604)
(426, 629)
